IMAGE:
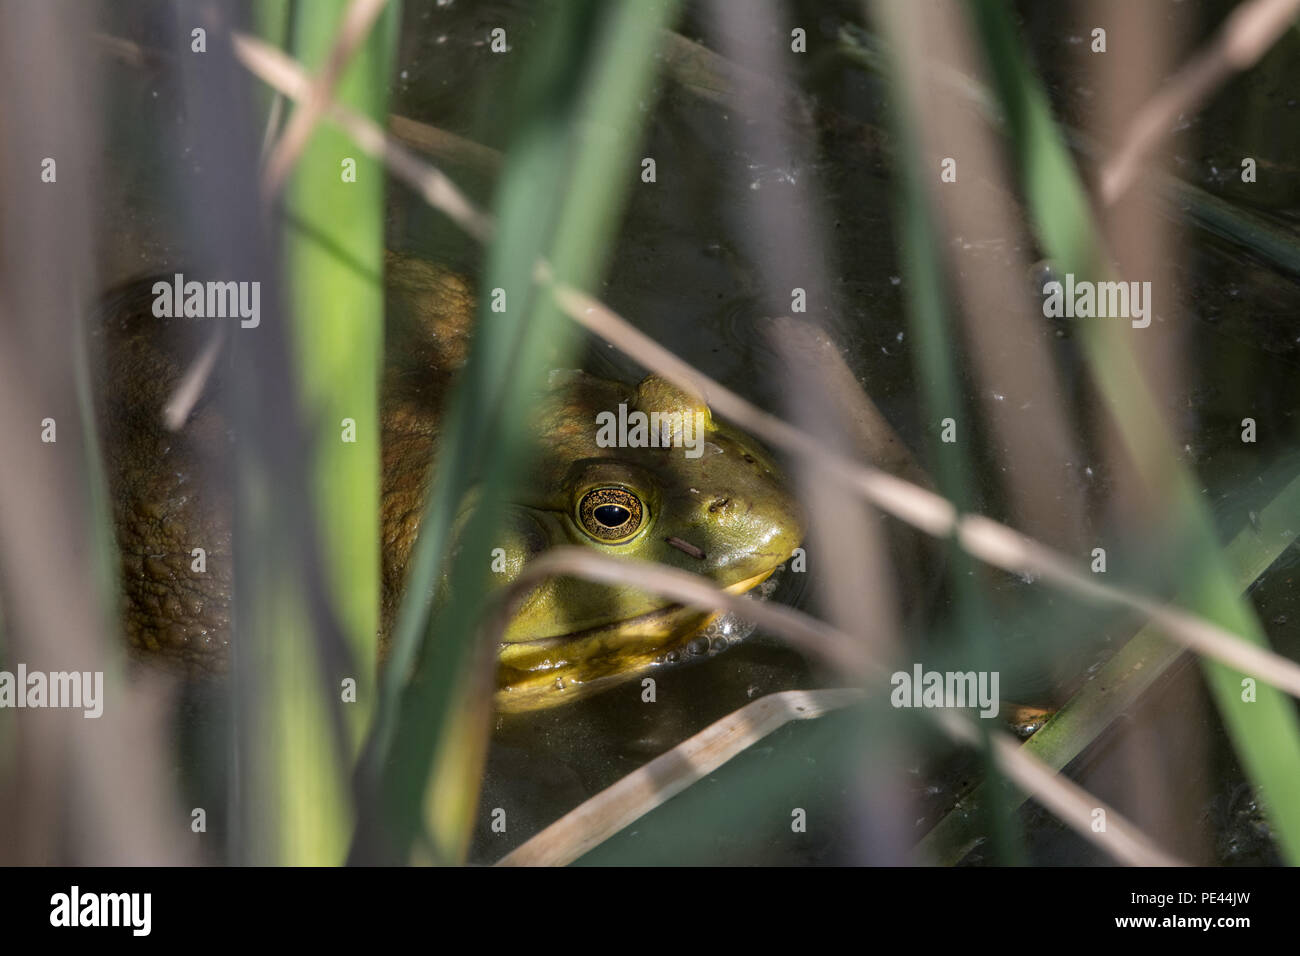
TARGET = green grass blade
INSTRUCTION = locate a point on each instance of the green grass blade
(1125, 677)
(335, 261)
(560, 196)
(334, 264)
(1265, 732)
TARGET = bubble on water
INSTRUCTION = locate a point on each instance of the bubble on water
(768, 587)
(727, 630)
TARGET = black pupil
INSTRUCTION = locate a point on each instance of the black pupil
(611, 516)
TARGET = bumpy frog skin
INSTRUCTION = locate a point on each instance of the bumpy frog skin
(727, 511)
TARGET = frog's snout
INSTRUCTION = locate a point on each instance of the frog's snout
(756, 526)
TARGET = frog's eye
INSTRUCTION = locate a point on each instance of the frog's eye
(611, 515)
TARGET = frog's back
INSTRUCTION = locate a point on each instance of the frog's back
(170, 490)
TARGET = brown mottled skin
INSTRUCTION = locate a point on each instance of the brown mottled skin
(168, 489)
(569, 637)
(430, 316)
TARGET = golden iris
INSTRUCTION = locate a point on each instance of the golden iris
(611, 515)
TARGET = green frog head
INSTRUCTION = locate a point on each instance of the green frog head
(642, 472)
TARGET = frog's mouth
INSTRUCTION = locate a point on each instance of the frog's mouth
(566, 667)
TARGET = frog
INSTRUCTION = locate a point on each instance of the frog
(698, 494)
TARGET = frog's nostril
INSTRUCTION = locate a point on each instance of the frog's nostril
(719, 504)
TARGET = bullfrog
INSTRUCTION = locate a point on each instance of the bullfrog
(708, 499)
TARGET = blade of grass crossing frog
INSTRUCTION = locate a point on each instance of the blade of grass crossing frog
(418, 721)
(334, 261)
(560, 196)
(1264, 731)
